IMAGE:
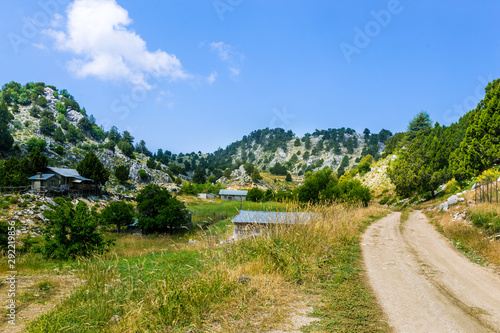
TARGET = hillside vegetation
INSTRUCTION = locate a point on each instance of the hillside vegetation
(430, 155)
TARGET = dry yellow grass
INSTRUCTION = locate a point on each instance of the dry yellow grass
(468, 238)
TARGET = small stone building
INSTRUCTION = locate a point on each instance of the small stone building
(255, 223)
(60, 179)
(234, 195)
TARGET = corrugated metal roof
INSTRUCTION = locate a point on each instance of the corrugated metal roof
(45, 176)
(247, 216)
(232, 192)
(69, 173)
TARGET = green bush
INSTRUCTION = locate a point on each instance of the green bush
(122, 173)
(73, 232)
(34, 142)
(159, 212)
(485, 218)
(118, 214)
(255, 194)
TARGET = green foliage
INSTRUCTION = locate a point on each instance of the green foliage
(255, 194)
(42, 101)
(71, 104)
(452, 186)
(34, 142)
(110, 145)
(315, 184)
(349, 190)
(73, 135)
(61, 108)
(159, 212)
(150, 163)
(255, 175)
(249, 167)
(480, 147)
(37, 161)
(84, 125)
(424, 164)
(47, 126)
(126, 148)
(279, 169)
(6, 139)
(122, 173)
(59, 149)
(23, 99)
(15, 108)
(118, 214)
(364, 165)
(199, 176)
(35, 111)
(297, 143)
(4, 235)
(143, 175)
(227, 173)
(323, 186)
(91, 167)
(488, 175)
(73, 232)
(288, 177)
(486, 218)
(342, 166)
(59, 135)
(97, 133)
(421, 122)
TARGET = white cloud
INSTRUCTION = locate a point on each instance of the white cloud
(228, 55)
(211, 78)
(96, 31)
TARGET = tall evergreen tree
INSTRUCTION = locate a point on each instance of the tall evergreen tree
(91, 167)
(6, 139)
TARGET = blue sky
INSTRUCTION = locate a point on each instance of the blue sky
(198, 75)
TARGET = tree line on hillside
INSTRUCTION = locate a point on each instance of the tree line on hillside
(431, 154)
(87, 135)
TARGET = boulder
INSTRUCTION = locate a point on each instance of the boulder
(74, 116)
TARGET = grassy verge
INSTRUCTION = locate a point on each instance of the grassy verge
(476, 238)
(168, 284)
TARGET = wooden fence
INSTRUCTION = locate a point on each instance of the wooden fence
(486, 191)
(14, 189)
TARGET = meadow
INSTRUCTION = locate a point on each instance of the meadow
(192, 281)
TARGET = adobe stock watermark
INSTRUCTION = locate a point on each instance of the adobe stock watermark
(123, 105)
(31, 26)
(223, 6)
(11, 273)
(281, 118)
(470, 102)
(373, 28)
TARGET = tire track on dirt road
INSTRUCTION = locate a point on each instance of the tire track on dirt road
(424, 284)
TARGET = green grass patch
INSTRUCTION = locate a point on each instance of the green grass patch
(181, 286)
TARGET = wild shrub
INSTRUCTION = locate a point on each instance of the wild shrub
(73, 232)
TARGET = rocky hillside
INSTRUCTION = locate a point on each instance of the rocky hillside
(54, 121)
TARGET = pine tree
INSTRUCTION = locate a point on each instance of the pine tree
(6, 139)
(91, 167)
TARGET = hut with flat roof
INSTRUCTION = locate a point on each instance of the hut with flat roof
(255, 223)
(234, 195)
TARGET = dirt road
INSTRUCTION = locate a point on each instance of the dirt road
(424, 284)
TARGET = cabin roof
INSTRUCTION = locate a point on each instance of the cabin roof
(44, 176)
(247, 216)
(232, 192)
